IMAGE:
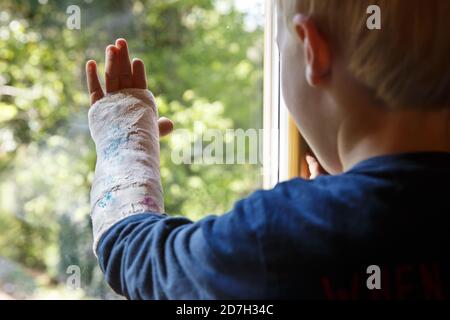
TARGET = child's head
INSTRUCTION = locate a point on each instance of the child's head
(334, 69)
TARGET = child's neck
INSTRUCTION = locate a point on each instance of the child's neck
(376, 132)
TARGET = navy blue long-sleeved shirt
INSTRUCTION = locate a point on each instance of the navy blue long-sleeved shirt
(302, 239)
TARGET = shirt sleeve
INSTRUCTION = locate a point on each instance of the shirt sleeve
(153, 256)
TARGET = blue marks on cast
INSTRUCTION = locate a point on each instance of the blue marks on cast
(104, 201)
(119, 138)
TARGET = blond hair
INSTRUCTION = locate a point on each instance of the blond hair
(406, 64)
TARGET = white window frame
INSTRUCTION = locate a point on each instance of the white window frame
(281, 141)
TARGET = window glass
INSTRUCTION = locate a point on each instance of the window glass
(204, 61)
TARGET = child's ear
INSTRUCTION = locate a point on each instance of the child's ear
(317, 50)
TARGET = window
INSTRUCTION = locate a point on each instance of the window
(204, 61)
(284, 155)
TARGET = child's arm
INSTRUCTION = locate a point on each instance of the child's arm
(124, 127)
(150, 255)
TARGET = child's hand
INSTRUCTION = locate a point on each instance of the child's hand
(120, 74)
(314, 167)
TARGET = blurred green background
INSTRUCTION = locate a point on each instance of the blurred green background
(204, 63)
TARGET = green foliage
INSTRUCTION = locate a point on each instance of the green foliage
(204, 66)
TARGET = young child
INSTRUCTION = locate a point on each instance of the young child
(374, 105)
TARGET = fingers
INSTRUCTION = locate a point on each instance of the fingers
(119, 73)
(93, 83)
(111, 69)
(165, 126)
(314, 167)
(139, 76)
(125, 80)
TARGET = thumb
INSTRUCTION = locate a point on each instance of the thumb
(165, 126)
